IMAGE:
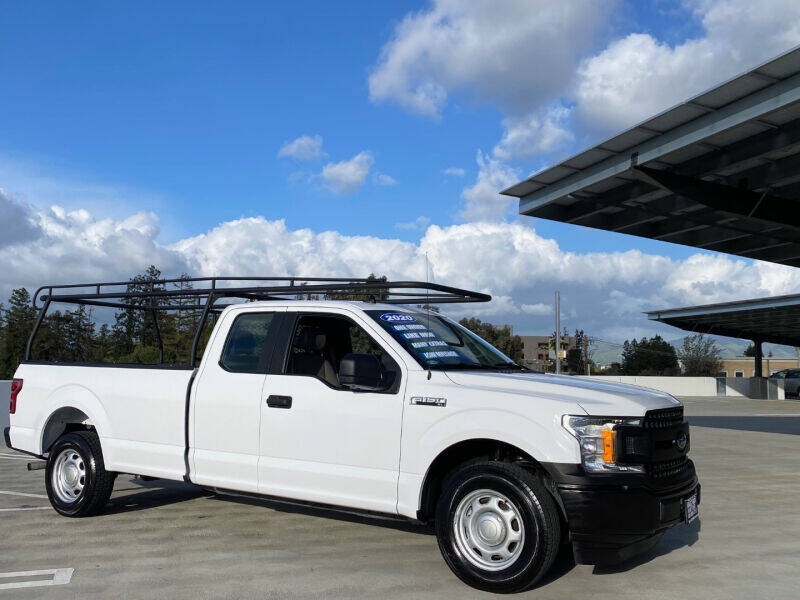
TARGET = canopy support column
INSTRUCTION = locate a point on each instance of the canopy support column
(759, 359)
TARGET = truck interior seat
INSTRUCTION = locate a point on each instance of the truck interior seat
(314, 357)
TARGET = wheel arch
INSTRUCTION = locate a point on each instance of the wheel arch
(71, 408)
(63, 420)
(449, 459)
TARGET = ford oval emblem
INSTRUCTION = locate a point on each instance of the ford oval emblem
(681, 441)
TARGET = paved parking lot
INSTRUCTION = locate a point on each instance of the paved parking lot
(168, 540)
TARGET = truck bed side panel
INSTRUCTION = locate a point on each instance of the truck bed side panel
(138, 412)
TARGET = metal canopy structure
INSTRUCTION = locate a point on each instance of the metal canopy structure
(719, 172)
(775, 319)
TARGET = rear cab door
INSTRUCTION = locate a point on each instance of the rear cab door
(321, 441)
(226, 401)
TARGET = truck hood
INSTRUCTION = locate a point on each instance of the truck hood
(601, 398)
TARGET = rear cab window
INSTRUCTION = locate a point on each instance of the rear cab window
(245, 349)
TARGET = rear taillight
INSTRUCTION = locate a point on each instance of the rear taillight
(16, 388)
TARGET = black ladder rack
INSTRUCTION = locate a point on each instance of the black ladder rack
(207, 298)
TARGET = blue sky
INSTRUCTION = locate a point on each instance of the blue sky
(180, 110)
(188, 104)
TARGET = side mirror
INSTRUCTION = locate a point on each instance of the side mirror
(361, 372)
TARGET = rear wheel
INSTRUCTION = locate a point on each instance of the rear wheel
(498, 527)
(77, 483)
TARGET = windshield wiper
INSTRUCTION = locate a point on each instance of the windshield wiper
(461, 366)
(511, 365)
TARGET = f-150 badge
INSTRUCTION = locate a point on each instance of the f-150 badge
(429, 401)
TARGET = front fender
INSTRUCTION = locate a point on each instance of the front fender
(545, 442)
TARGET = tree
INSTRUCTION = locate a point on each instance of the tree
(72, 336)
(700, 356)
(581, 355)
(499, 336)
(575, 362)
(750, 350)
(18, 320)
(649, 357)
(363, 294)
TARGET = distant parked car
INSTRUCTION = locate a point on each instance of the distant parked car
(792, 378)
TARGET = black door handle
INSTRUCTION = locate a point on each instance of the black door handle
(279, 402)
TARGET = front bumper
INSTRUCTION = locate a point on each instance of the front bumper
(614, 517)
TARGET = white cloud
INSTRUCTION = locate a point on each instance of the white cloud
(540, 308)
(483, 201)
(418, 223)
(347, 176)
(454, 172)
(512, 53)
(73, 246)
(534, 61)
(383, 179)
(16, 221)
(306, 147)
(540, 132)
(638, 76)
(602, 292)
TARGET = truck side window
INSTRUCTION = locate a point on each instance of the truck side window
(320, 342)
(245, 346)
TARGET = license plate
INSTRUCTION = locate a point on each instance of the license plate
(690, 507)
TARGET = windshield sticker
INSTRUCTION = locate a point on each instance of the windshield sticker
(397, 317)
(415, 335)
(441, 354)
(429, 344)
(407, 327)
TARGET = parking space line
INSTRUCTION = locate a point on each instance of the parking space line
(59, 577)
(14, 457)
(25, 508)
(777, 415)
(22, 494)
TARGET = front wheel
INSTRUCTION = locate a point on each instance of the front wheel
(498, 527)
(77, 482)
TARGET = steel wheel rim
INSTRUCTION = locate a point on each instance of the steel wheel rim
(69, 476)
(488, 530)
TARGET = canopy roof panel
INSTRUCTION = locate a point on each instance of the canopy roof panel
(775, 319)
(719, 172)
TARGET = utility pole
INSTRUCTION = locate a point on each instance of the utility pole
(558, 333)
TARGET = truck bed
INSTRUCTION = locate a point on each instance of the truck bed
(138, 409)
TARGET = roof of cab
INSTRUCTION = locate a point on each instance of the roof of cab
(300, 304)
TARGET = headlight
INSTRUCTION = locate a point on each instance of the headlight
(597, 438)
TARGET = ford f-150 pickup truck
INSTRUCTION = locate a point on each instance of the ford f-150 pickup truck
(373, 405)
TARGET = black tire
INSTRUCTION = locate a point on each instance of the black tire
(97, 482)
(538, 512)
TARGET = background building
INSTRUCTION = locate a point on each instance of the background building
(744, 366)
(539, 356)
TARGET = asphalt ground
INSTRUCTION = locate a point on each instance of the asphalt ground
(169, 540)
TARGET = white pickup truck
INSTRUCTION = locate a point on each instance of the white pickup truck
(378, 407)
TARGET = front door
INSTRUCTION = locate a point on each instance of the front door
(321, 441)
(227, 403)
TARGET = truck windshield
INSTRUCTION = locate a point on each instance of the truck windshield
(439, 343)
